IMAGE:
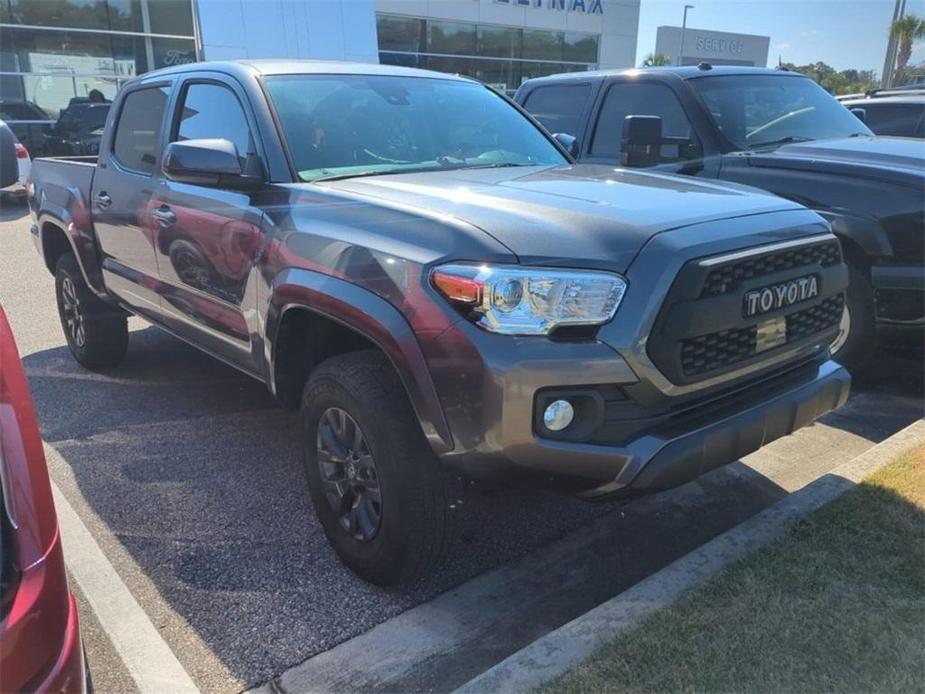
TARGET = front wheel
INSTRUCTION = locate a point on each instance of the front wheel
(96, 333)
(386, 504)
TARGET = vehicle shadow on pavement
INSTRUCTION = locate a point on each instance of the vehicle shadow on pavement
(196, 472)
(12, 209)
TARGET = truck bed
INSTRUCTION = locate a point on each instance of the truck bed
(65, 180)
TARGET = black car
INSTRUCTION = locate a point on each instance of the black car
(896, 112)
(776, 130)
(79, 129)
(28, 121)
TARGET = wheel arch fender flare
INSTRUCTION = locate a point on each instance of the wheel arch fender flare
(373, 318)
(78, 230)
(865, 233)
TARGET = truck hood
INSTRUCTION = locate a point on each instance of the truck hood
(584, 214)
(897, 159)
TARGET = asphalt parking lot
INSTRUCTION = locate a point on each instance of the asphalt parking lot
(189, 478)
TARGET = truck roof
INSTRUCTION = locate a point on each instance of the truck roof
(685, 72)
(288, 66)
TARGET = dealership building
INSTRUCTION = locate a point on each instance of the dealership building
(54, 50)
(715, 47)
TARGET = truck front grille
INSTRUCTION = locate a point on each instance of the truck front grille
(702, 329)
(728, 347)
(725, 278)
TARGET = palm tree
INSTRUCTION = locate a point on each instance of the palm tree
(656, 59)
(905, 30)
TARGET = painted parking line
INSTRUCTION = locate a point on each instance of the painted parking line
(146, 656)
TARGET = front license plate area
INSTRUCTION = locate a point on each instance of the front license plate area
(771, 333)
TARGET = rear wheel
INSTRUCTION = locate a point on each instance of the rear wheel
(857, 333)
(96, 332)
(386, 504)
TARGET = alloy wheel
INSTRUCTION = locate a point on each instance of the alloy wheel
(348, 474)
(70, 310)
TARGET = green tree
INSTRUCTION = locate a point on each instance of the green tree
(655, 60)
(906, 30)
(835, 82)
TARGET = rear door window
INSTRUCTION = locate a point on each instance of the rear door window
(138, 130)
(637, 99)
(559, 107)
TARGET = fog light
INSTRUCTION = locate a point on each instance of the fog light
(558, 415)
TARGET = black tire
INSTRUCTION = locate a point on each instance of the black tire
(860, 343)
(100, 339)
(419, 499)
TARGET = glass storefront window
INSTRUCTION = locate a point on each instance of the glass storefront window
(400, 33)
(542, 45)
(454, 38)
(75, 55)
(72, 53)
(170, 17)
(501, 56)
(580, 48)
(165, 16)
(52, 94)
(402, 59)
(499, 42)
(80, 14)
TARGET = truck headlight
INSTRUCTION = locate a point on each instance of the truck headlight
(518, 300)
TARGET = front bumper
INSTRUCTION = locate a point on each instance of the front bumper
(492, 395)
(680, 456)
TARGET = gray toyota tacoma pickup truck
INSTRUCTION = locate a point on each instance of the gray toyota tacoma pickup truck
(411, 260)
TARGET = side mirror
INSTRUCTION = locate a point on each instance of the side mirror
(207, 162)
(860, 113)
(642, 140)
(570, 142)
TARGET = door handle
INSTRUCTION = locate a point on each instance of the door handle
(102, 200)
(164, 216)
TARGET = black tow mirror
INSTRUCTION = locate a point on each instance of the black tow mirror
(570, 142)
(860, 114)
(642, 140)
(207, 162)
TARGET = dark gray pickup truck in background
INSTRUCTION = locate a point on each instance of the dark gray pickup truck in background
(778, 131)
(412, 261)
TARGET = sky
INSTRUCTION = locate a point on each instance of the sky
(843, 33)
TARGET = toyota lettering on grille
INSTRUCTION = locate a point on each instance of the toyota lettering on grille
(758, 301)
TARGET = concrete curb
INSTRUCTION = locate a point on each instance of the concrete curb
(567, 646)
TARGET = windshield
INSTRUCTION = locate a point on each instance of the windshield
(83, 116)
(762, 110)
(360, 125)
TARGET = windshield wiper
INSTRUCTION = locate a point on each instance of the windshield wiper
(421, 169)
(375, 172)
(780, 141)
(499, 165)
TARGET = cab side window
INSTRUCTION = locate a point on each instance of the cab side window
(213, 111)
(638, 99)
(136, 143)
(559, 107)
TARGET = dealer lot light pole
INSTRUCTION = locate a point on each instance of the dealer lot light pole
(683, 29)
